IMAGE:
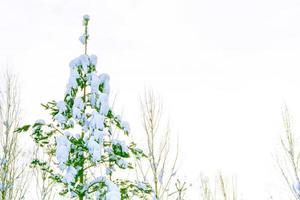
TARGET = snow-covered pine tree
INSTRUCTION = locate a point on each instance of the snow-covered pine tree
(90, 143)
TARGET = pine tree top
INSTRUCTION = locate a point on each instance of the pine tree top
(87, 141)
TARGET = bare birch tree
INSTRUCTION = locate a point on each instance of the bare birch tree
(13, 180)
(161, 167)
(45, 187)
(288, 159)
(180, 190)
(221, 190)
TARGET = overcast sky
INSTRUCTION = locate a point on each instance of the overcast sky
(224, 70)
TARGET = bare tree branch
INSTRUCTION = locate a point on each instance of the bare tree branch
(161, 168)
(13, 173)
(223, 190)
(288, 160)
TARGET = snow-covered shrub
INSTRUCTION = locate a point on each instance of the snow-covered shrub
(89, 142)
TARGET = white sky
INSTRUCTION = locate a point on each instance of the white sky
(223, 68)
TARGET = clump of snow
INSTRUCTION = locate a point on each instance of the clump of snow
(103, 98)
(97, 121)
(97, 195)
(93, 99)
(113, 195)
(103, 103)
(74, 63)
(62, 149)
(72, 83)
(40, 121)
(78, 103)
(72, 194)
(71, 122)
(67, 133)
(104, 79)
(76, 113)
(121, 143)
(84, 61)
(61, 105)
(60, 118)
(125, 126)
(94, 149)
(83, 38)
(142, 185)
(93, 60)
(113, 191)
(98, 135)
(70, 174)
(122, 163)
(95, 82)
(97, 180)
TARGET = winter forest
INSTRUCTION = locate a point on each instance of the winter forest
(150, 100)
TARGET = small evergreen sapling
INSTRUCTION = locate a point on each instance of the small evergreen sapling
(87, 139)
